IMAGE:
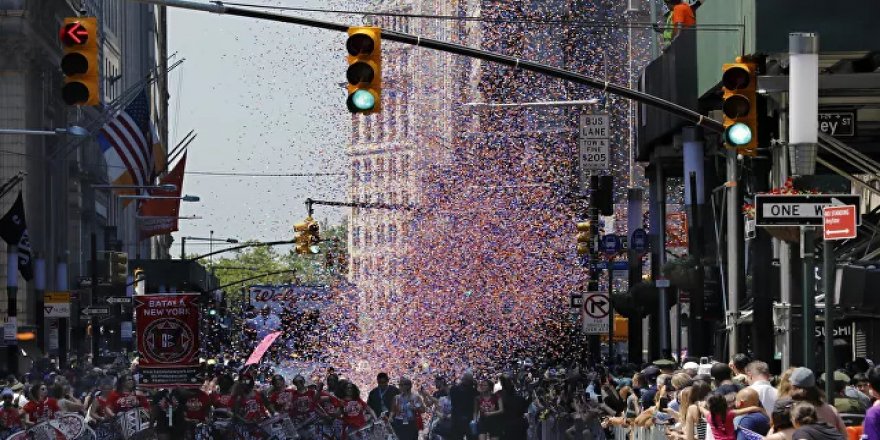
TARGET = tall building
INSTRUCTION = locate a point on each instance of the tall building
(63, 209)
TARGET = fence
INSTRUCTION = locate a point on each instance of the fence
(636, 433)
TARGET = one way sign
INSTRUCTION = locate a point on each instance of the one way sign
(596, 309)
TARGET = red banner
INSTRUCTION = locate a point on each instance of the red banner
(261, 349)
(159, 216)
(168, 339)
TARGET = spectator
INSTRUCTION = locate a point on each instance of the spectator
(843, 403)
(722, 376)
(650, 375)
(803, 386)
(381, 397)
(781, 418)
(462, 395)
(758, 376)
(783, 388)
(691, 368)
(755, 422)
(10, 415)
(738, 364)
(809, 425)
(871, 426)
(859, 389)
(720, 418)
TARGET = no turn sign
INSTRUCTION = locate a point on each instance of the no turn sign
(596, 309)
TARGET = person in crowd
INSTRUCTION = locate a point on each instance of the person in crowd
(168, 414)
(691, 369)
(722, 377)
(487, 411)
(738, 364)
(280, 397)
(329, 409)
(515, 426)
(803, 389)
(406, 412)
(11, 417)
(809, 425)
(647, 395)
(755, 422)
(197, 410)
(125, 398)
(843, 403)
(66, 401)
(859, 389)
(783, 388)
(758, 378)
(355, 412)
(249, 405)
(462, 396)
(303, 406)
(781, 425)
(720, 417)
(693, 424)
(871, 425)
(223, 399)
(40, 407)
(381, 397)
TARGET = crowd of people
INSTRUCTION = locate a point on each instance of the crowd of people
(739, 400)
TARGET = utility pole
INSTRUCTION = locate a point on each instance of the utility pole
(803, 146)
(783, 248)
(11, 328)
(734, 241)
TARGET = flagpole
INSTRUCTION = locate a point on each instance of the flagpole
(11, 327)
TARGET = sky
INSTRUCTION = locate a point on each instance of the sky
(263, 97)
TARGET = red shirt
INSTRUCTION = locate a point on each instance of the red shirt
(102, 405)
(303, 404)
(222, 400)
(251, 407)
(10, 417)
(488, 404)
(42, 411)
(330, 403)
(354, 412)
(197, 406)
(282, 400)
(125, 401)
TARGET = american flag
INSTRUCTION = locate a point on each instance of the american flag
(128, 135)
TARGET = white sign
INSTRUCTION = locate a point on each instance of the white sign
(594, 151)
(10, 329)
(596, 307)
(56, 310)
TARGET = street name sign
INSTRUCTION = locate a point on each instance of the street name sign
(838, 124)
(840, 222)
(596, 308)
(594, 144)
(801, 209)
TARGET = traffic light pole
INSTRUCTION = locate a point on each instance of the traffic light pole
(544, 69)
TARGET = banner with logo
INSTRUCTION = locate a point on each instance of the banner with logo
(168, 339)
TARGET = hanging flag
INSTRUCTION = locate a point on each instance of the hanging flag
(261, 349)
(159, 216)
(127, 145)
(13, 230)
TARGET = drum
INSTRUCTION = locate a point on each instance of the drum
(279, 427)
(134, 424)
(376, 430)
(71, 426)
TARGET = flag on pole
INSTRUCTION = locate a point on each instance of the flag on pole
(127, 145)
(13, 230)
(159, 216)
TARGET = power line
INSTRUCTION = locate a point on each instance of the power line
(540, 21)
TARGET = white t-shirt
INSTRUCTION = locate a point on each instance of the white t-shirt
(766, 393)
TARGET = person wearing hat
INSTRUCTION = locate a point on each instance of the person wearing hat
(691, 368)
(647, 397)
(843, 403)
(11, 418)
(803, 389)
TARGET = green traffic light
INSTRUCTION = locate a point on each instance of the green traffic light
(738, 134)
(363, 100)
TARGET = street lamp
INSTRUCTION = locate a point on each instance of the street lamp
(73, 130)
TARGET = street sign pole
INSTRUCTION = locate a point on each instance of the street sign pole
(828, 272)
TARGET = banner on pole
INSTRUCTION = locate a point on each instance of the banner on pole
(261, 349)
(168, 339)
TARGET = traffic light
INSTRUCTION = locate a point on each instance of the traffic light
(739, 83)
(79, 36)
(364, 74)
(583, 238)
(307, 236)
(118, 267)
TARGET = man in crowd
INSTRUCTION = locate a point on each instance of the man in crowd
(758, 376)
(462, 395)
(381, 397)
(738, 365)
(755, 422)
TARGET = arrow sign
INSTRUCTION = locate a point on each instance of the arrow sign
(839, 222)
(74, 33)
(95, 311)
(119, 300)
(596, 305)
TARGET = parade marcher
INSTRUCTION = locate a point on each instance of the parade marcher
(355, 412)
(462, 395)
(40, 407)
(125, 398)
(303, 406)
(11, 417)
(381, 397)
(197, 410)
(168, 414)
(280, 397)
(488, 409)
(406, 412)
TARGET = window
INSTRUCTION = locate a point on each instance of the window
(356, 172)
(392, 233)
(368, 170)
(380, 169)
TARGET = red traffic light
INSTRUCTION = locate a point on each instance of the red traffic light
(74, 34)
(736, 78)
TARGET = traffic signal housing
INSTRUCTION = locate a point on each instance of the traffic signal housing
(79, 62)
(364, 74)
(739, 105)
(307, 236)
(118, 267)
(583, 238)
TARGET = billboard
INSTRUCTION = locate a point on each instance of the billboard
(168, 339)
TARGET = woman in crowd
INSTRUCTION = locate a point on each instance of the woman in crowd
(783, 389)
(125, 398)
(355, 412)
(693, 423)
(720, 417)
(11, 418)
(406, 412)
(68, 403)
(515, 425)
(40, 408)
(488, 408)
(782, 427)
(803, 389)
(809, 425)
